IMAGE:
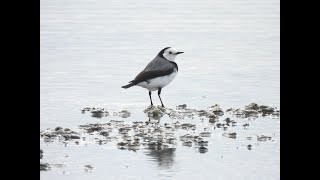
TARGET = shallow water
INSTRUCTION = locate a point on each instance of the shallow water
(89, 49)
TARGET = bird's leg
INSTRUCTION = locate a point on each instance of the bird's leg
(159, 92)
(150, 98)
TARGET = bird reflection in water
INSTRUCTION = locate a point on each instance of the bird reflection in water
(158, 149)
(164, 157)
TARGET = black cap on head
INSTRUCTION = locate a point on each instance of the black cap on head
(162, 51)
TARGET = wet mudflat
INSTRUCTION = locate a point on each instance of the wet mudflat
(233, 136)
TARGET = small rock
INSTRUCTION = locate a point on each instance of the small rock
(263, 138)
(212, 120)
(124, 114)
(86, 109)
(202, 113)
(116, 121)
(218, 125)
(203, 143)
(228, 110)
(187, 143)
(58, 128)
(134, 146)
(266, 110)
(44, 166)
(104, 133)
(252, 106)
(230, 135)
(276, 113)
(154, 111)
(250, 113)
(205, 134)
(202, 149)
(186, 137)
(97, 113)
(88, 166)
(122, 144)
(71, 136)
(124, 130)
(41, 154)
(187, 126)
(217, 110)
(182, 106)
(211, 116)
(90, 128)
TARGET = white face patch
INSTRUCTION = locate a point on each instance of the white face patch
(170, 54)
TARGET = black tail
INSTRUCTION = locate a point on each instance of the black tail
(129, 85)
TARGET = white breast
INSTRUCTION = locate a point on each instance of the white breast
(158, 82)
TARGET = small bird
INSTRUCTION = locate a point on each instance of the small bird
(158, 73)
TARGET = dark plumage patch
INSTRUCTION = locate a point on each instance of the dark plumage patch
(160, 54)
(147, 75)
(175, 64)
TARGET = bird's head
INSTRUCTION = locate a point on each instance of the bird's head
(169, 53)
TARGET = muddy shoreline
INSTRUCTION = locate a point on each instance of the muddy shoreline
(157, 136)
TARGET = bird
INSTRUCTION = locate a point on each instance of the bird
(158, 73)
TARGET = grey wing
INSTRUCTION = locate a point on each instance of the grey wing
(157, 67)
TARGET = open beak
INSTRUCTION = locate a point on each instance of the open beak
(179, 53)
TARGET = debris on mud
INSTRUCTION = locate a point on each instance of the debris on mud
(88, 168)
(97, 127)
(265, 110)
(205, 134)
(230, 135)
(44, 166)
(95, 112)
(156, 136)
(252, 106)
(254, 110)
(210, 115)
(124, 114)
(104, 133)
(59, 132)
(181, 113)
(187, 143)
(246, 125)
(154, 111)
(99, 113)
(188, 126)
(217, 110)
(229, 109)
(230, 122)
(41, 153)
(203, 149)
(182, 106)
(263, 138)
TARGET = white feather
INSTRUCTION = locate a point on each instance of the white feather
(158, 82)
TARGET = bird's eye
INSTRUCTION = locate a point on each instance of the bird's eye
(170, 52)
